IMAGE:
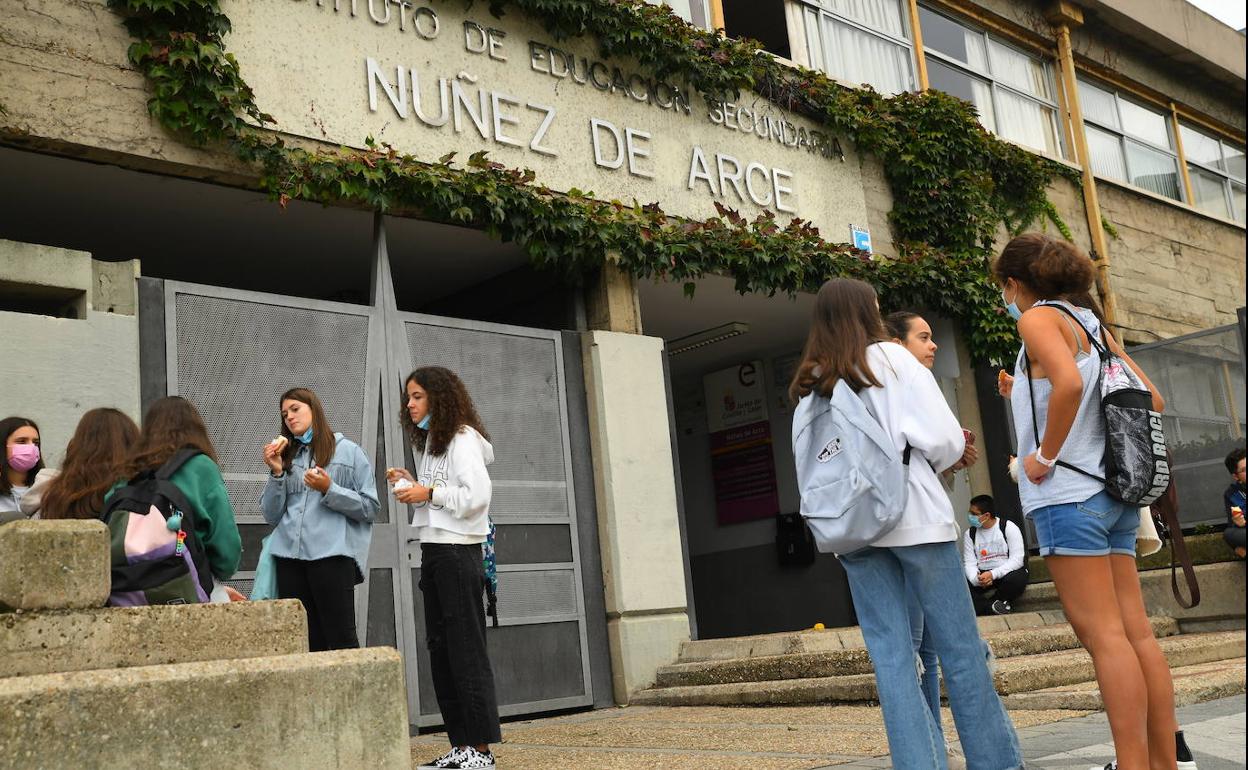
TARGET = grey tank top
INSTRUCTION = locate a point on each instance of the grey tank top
(1085, 444)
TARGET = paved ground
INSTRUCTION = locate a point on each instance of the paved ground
(784, 738)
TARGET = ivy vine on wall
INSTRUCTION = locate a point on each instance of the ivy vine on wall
(954, 184)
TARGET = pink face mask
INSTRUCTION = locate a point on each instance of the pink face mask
(23, 457)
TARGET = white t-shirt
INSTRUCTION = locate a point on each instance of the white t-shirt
(997, 549)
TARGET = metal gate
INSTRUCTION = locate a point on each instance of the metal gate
(233, 352)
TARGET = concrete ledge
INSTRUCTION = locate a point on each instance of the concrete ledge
(58, 641)
(49, 565)
(1204, 549)
(342, 709)
(1192, 684)
(1222, 594)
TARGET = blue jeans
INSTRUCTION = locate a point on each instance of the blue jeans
(929, 677)
(879, 579)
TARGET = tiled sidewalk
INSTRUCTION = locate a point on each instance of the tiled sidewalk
(805, 738)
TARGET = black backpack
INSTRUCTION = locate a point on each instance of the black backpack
(156, 555)
(795, 545)
(1137, 468)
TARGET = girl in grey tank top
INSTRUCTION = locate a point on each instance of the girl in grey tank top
(1084, 447)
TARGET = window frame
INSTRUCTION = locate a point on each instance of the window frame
(1123, 137)
(809, 7)
(1228, 181)
(995, 86)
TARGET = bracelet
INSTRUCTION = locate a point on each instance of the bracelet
(1046, 462)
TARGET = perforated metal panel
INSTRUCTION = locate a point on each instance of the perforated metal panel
(236, 357)
(536, 595)
(514, 383)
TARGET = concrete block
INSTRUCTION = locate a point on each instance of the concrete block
(37, 265)
(47, 565)
(640, 646)
(58, 641)
(1222, 593)
(342, 709)
(114, 287)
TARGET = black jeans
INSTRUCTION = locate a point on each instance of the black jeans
(1235, 536)
(327, 589)
(1007, 588)
(452, 581)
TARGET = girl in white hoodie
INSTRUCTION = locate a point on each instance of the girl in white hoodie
(847, 341)
(450, 495)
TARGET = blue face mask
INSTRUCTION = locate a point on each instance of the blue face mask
(972, 519)
(305, 437)
(1011, 307)
(424, 423)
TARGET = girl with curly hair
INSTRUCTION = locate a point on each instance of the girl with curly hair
(450, 494)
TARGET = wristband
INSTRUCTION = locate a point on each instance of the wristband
(1046, 462)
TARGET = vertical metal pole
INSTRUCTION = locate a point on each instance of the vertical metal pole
(920, 59)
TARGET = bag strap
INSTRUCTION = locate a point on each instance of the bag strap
(1031, 391)
(174, 463)
(1168, 507)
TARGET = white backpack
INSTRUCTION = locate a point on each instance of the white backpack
(852, 479)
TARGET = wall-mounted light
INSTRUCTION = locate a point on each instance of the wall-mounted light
(707, 337)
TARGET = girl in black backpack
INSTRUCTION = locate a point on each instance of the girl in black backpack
(1086, 535)
(171, 425)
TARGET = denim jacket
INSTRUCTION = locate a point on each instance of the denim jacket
(311, 525)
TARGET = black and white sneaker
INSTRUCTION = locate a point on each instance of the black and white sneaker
(471, 759)
(448, 761)
(1001, 607)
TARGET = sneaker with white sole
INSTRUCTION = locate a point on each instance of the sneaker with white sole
(471, 759)
(1001, 607)
(448, 761)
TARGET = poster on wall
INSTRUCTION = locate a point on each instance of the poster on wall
(742, 464)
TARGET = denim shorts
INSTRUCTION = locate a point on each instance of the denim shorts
(1098, 526)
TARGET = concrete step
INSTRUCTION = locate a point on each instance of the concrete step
(830, 639)
(338, 709)
(842, 662)
(1222, 588)
(57, 641)
(1019, 674)
(1192, 684)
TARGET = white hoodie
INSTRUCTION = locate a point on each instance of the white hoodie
(460, 510)
(913, 411)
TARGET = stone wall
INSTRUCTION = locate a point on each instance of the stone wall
(1174, 271)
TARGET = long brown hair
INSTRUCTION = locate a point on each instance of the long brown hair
(93, 462)
(9, 426)
(323, 441)
(171, 423)
(846, 320)
(450, 408)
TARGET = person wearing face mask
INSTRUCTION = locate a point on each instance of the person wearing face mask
(450, 494)
(322, 497)
(19, 466)
(1087, 537)
(992, 555)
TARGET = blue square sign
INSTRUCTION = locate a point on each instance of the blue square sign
(861, 238)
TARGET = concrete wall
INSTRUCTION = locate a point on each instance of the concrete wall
(638, 519)
(1174, 271)
(58, 368)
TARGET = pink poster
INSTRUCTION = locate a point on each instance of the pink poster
(742, 464)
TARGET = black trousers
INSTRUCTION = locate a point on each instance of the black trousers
(1007, 588)
(452, 581)
(327, 589)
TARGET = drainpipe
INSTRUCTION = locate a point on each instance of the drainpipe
(1064, 16)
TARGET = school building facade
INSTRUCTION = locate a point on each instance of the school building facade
(642, 435)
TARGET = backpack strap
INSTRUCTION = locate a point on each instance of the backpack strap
(175, 463)
(1101, 351)
(973, 531)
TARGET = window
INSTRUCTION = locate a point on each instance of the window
(861, 42)
(692, 11)
(1012, 90)
(1129, 142)
(1216, 169)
